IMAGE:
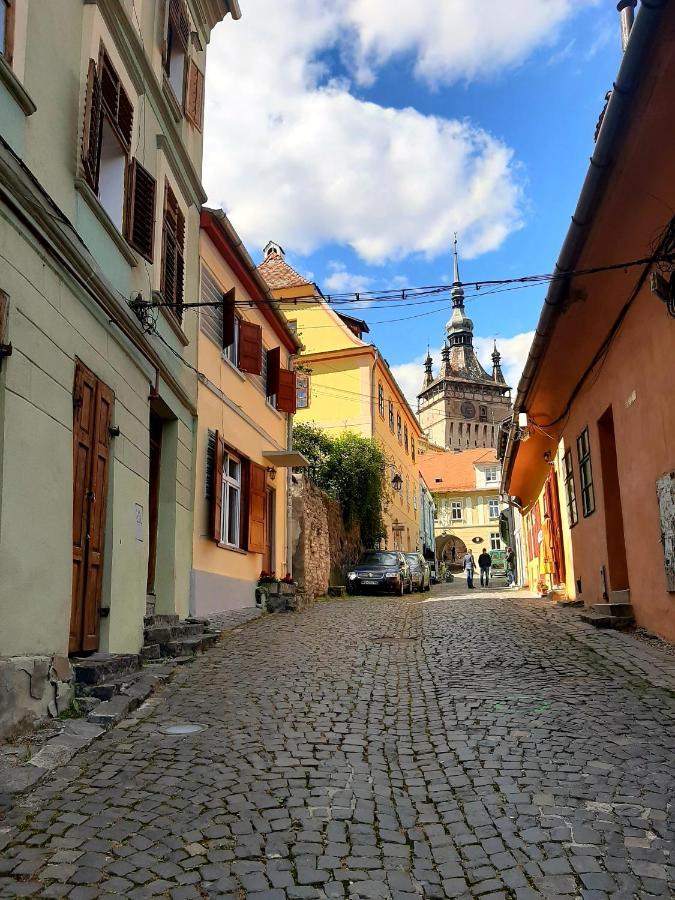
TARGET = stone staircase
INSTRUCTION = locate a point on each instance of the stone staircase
(617, 613)
(170, 636)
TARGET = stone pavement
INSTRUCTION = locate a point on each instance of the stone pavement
(443, 745)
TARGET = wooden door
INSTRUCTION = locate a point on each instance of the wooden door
(93, 402)
(156, 425)
(268, 555)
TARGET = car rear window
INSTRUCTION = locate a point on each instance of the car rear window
(379, 559)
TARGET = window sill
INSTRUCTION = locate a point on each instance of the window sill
(171, 99)
(237, 371)
(94, 204)
(232, 549)
(171, 320)
(16, 89)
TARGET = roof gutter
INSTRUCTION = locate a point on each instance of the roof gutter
(612, 132)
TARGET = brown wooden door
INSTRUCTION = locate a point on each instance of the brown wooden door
(268, 555)
(156, 425)
(93, 402)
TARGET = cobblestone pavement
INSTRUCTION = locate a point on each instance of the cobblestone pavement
(430, 746)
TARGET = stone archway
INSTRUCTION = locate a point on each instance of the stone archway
(450, 549)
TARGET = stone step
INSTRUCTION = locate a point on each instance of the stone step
(186, 630)
(620, 596)
(160, 619)
(183, 646)
(150, 652)
(209, 638)
(604, 620)
(101, 667)
(624, 610)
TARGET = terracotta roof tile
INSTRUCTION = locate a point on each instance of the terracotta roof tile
(278, 274)
(455, 471)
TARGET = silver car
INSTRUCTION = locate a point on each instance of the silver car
(420, 572)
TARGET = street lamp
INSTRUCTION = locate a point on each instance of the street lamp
(397, 482)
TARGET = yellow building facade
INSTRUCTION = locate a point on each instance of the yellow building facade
(465, 488)
(246, 397)
(345, 384)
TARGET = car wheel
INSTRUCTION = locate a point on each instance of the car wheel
(401, 588)
(410, 586)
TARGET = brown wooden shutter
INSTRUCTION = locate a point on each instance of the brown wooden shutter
(93, 124)
(125, 118)
(5, 346)
(116, 102)
(194, 96)
(250, 348)
(173, 267)
(286, 396)
(257, 505)
(217, 498)
(180, 263)
(180, 21)
(139, 220)
(273, 369)
(229, 299)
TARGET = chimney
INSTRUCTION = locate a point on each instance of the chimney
(626, 10)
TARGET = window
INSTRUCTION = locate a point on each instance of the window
(399, 430)
(585, 473)
(302, 390)
(495, 541)
(456, 509)
(407, 490)
(211, 318)
(391, 417)
(173, 243)
(7, 29)
(193, 104)
(482, 413)
(493, 509)
(176, 39)
(380, 399)
(269, 375)
(570, 490)
(412, 448)
(293, 326)
(405, 438)
(491, 475)
(231, 501)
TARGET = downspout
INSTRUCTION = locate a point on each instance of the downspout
(604, 155)
(289, 486)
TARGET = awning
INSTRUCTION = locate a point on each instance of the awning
(286, 459)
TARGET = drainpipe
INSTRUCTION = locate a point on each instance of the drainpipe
(626, 10)
(289, 485)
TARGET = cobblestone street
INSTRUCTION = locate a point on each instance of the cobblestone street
(437, 745)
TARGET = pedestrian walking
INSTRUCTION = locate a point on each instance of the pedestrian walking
(453, 553)
(484, 564)
(510, 567)
(469, 565)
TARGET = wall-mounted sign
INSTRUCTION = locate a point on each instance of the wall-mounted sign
(477, 540)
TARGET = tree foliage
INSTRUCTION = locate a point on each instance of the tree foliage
(350, 469)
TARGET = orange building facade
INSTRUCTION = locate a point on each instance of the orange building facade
(594, 416)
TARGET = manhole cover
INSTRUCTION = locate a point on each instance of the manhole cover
(182, 729)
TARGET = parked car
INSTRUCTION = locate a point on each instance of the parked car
(419, 572)
(380, 570)
(498, 567)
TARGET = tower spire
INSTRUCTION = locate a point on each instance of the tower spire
(428, 368)
(497, 374)
(457, 289)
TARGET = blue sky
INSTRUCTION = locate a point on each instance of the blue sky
(361, 135)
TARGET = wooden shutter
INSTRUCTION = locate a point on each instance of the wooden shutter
(257, 505)
(116, 102)
(286, 396)
(5, 346)
(229, 299)
(217, 497)
(179, 21)
(173, 240)
(273, 370)
(194, 96)
(93, 124)
(250, 348)
(139, 220)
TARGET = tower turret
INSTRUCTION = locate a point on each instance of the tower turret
(428, 369)
(460, 327)
(497, 374)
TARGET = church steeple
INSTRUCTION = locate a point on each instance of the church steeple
(497, 374)
(428, 369)
(457, 289)
(460, 326)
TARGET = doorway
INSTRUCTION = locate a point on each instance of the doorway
(92, 417)
(156, 426)
(617, 564)
(268, 555)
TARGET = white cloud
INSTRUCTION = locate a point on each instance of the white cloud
(290, 153)
(340, 281)
(513, 349)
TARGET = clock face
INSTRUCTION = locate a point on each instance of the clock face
(468, 409)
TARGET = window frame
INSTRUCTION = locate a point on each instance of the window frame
(174, 303)
(405, 438)
(300, 378)
(570, 488)
(236, 485)
(399, 428)
(482, 413)
(391, 417)
(489, 472)
(585, 473)
(495, 540)
(493, 502)
(380, 399)
(412, 447)
(456, 506)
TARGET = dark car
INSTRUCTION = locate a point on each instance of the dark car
(419, 571)
(380, 570)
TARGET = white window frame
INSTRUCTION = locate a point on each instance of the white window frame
(302, 379)
(231, 352)
(230, 485)
(492, 475)
(495, 540)
(493, 503)
(456, 506)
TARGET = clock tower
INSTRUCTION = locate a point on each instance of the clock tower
(462, 407)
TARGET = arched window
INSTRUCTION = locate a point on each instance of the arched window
(380, 399)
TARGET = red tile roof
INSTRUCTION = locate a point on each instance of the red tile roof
(455, 471)
(278, 274)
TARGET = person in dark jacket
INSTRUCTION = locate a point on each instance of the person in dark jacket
(484, 563)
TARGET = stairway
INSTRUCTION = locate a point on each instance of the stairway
(169, 636)
(617, 613)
